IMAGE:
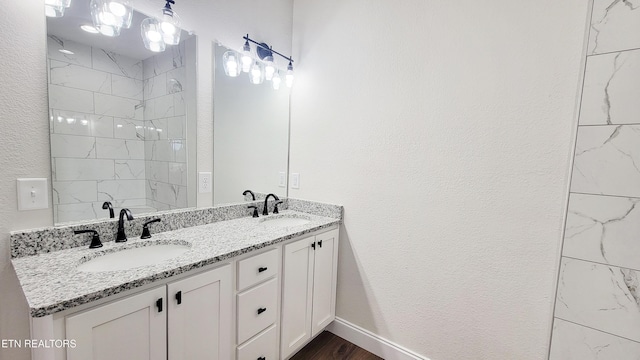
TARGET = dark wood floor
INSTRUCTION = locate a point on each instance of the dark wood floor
(329, 346)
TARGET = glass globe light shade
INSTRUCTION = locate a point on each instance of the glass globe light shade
(231, 63)
(256, 75)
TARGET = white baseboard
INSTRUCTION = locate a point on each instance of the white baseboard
(371, 342)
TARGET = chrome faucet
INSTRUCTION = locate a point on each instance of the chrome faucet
(121, 236)
(265, 211)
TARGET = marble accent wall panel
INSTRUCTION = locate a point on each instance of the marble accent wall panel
(597, 310)
(607, 160)
(602, 297)
(615, 26)
(611, 90)
(97, 141)
(574, 342)
(603, 229)
(164, 125)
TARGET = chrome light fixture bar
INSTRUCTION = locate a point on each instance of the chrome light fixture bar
(263, 68)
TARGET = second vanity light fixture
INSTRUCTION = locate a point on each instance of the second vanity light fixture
(260, 69)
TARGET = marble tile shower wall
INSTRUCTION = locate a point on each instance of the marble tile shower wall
(597, 313)
(97, 139)
(117, 130)
(165, 87)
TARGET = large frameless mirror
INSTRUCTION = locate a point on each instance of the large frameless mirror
(251, 135)
(122, 119)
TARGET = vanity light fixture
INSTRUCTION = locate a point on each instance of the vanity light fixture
(56, 8)
(259, 69)
(157, 34)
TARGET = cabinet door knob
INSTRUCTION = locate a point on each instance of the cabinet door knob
(261, 358)
(320, 243)
(159, 304)
(262, 269)
(261, 310)
(313, 246)
(179, 297)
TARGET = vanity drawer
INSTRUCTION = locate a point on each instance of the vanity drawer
(257, 268)
(257, 309)
(263, 346)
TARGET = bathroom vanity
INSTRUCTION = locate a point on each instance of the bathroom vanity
(244, 288)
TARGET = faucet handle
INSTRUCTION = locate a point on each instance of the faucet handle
(275, 207)
(95, 239)
(255, 210)
(146, 234)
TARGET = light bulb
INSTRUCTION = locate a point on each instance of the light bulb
(168, 28)
(269, 67)
(276, 80)
(107, 18)
(117, 9)
(256, 76)
(107, 30)
(289, 77)
(154, 36)
(156, 46)
(246, 57)
(231, 63)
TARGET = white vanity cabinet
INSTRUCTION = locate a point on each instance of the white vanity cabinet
(257, 307)
(309, 289)
(131, 328)
(185, 319)
(199, 316)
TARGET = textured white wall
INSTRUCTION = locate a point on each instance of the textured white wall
(25, 148)
(25, 130)
(445, 129)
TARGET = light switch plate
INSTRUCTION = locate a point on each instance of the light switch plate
(295, 181)
(204, 182)
(283, 179)
(33, 194)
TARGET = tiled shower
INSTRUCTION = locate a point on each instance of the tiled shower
(597, 311)
(118, 129)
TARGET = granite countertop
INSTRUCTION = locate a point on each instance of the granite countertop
(52, 283)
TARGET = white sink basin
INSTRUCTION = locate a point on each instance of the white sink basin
(133, 257)
(284, 221)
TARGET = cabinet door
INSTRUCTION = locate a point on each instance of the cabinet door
(324, 281)
(199, 317)
(131, 328)
(296, 295)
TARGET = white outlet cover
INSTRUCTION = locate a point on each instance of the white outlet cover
(33, 194)
(282, 182)
(295, 181)
(204, 182)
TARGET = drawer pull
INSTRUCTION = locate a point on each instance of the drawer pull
(262, 358)
(159, 304)
(261, 310)
(179, 297)
(262, 269)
